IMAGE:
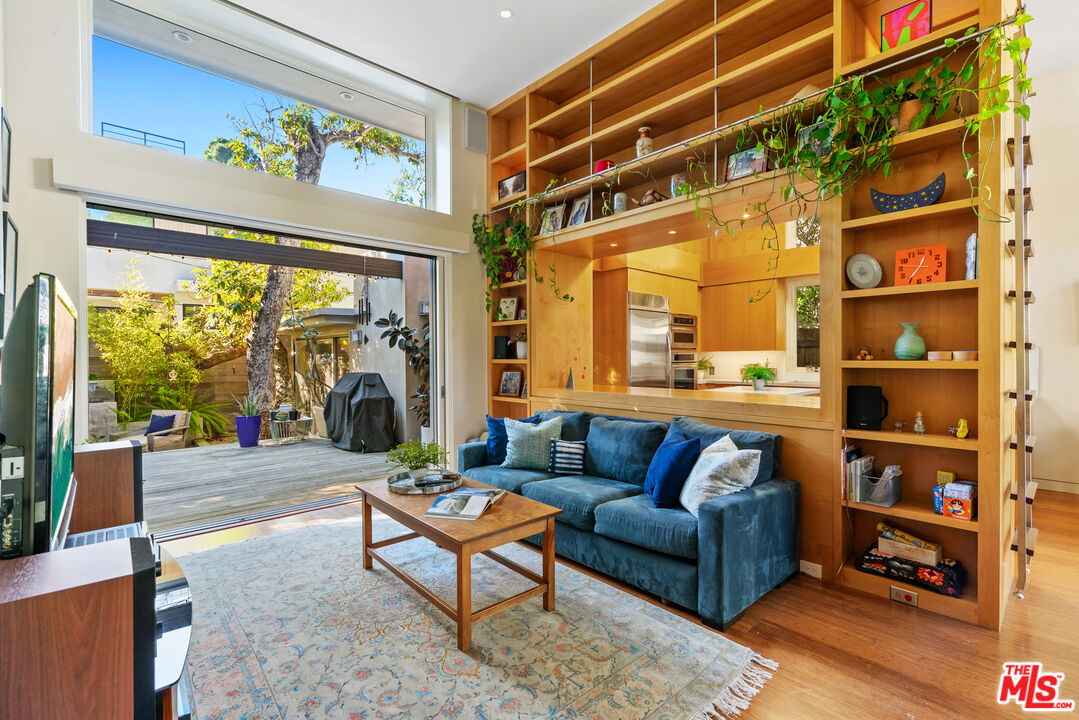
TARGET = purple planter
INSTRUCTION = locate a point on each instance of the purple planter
(248, 429)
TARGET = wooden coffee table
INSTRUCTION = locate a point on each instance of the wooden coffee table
(512, 518)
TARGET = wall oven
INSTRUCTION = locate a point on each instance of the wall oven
(683, 332)
(683, 370)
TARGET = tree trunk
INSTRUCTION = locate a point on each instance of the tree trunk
(263, 338)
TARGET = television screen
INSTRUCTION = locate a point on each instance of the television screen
(62, 425)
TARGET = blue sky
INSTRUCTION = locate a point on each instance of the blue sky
(145, 92)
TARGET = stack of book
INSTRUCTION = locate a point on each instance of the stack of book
(855, 467)
(464, 503)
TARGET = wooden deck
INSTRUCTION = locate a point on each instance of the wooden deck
(210, 484)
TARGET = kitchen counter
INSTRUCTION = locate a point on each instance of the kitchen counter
(778, 383)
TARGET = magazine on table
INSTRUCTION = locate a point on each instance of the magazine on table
(464, 503)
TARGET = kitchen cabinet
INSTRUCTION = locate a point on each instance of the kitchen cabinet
(727, 321)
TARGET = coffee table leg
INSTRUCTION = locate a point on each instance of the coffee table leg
(464, 600)
(366, 533)
(548, 565)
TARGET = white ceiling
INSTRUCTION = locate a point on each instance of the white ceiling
(462, 47)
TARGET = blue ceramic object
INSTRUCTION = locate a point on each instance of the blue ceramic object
(909, 345)
(928, 195)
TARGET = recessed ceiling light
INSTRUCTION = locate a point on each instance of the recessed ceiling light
(672, 232)
(614, 244)
(181, 36)
(506, 13)
(745, 215)
(345, 95)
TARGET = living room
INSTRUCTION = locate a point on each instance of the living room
(727, 345)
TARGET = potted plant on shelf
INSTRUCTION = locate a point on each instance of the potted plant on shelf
(704, 367)
(417, 457)
(249, 421)
(521, 345)
(758, 374)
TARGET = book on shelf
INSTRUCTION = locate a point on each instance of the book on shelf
(859, 468)
(847, 456)
(464, 503)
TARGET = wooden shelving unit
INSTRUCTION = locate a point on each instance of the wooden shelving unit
(687, 68)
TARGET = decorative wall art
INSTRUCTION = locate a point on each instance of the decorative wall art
(906, 23)
(928, 195)
(745, 163)
(513, 185)
(511, 383)
(864, 271)
(553, 217)
(580, 211)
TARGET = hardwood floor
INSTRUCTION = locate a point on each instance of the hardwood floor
(842, 654)
(215, 483)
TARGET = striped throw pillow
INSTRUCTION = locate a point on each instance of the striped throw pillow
(567, 457)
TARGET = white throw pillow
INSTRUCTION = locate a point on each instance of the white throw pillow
(720, 470)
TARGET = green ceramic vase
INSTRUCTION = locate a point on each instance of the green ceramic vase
(909, 345)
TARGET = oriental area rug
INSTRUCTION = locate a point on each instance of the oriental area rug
(290, 626)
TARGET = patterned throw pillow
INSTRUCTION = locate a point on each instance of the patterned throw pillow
(567, 457)
(528, 447)
(721, 469)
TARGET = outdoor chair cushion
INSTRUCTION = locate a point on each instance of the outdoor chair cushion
(578, 496)
(508, 479)
(637, 521)
(622, 450)
(160, 422)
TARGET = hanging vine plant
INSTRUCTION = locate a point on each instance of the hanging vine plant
(506, 251)
(822, 145)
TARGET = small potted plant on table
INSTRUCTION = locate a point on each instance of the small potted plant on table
(417, 457)
(249, 421)
(704, 367)
(758, 374)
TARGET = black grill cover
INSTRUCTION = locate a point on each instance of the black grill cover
(359, 414)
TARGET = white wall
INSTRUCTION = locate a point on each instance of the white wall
(1054, 277)
(55, 166)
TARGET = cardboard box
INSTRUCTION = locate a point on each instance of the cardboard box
(960, 500)
(909, 552)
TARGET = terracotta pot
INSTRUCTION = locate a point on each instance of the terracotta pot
(907, 111)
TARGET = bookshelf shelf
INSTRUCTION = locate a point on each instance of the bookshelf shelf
(905, 217)
(950, 286)
(961, 608)
(910, 49)
(909, 364)
(920, 510)
(929, 440)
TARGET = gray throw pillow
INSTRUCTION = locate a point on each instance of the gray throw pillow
(720, 470)
(528, 447)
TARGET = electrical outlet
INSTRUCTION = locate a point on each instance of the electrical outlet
(12, 468)
(907, 597)
(810, 569)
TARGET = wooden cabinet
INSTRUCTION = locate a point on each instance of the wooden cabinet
(728, 321)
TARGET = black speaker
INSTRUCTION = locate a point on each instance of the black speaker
(502, 347)
(866, 407)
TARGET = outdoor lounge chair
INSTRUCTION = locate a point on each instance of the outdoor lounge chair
(174, 438)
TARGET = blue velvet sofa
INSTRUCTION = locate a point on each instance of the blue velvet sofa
(742, 546)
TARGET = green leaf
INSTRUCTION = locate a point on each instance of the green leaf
(1022, 19)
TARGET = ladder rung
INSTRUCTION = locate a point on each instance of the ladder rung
(1028, 202)
(1032, 490)
(1028, 296)
(1030, 395)
(1028, 159)
(1028, 249)
(1026, 346)
(1032, 541)
(1032, 440)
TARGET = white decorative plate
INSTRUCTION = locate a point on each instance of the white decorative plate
(864, 271)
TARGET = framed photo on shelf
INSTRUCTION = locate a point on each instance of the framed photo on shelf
(817, 145)
(507, 308)
(511, 383)
(553, 217)
(513, 185)
(522, 314)
(5, 149)
(745, 163)
(580, 211)
(904, 24)
(7, 273)
(524, 390)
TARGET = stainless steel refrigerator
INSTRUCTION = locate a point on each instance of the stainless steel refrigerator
(649, 340)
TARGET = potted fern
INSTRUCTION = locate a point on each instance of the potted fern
(758, 374)
(417, 457)
(249, 421)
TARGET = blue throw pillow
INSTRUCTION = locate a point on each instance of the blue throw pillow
(567, 456)
(496, 438)
(574, 423)
(622, 449)
(669, 469)
(767, 443)
(160, 422)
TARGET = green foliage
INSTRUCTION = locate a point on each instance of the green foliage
(509, 245)
(416, 345)
(206, 421)
(410, 187)
(415, 455)
(248, 405)
(807, 306)
(756, 371)
(704, 364)
(221, 150)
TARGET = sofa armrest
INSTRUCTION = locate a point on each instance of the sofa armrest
(747, 544)
(470, 455)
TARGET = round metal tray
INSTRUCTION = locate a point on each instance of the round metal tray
(403, 484)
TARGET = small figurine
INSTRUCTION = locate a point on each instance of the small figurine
(649, 197)
(962, 430)
(919, 423)
(864, 353)
(899, 425)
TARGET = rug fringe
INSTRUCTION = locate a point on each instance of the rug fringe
(738, 693)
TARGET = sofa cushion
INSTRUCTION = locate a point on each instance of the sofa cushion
(637, 521)
(722, 469)
(574, 424)
(669, 469)
(578, 496)
(767, 443)
(621, 449)
(496, 438)
(567, 457)
(506, 478)
(529, 446)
